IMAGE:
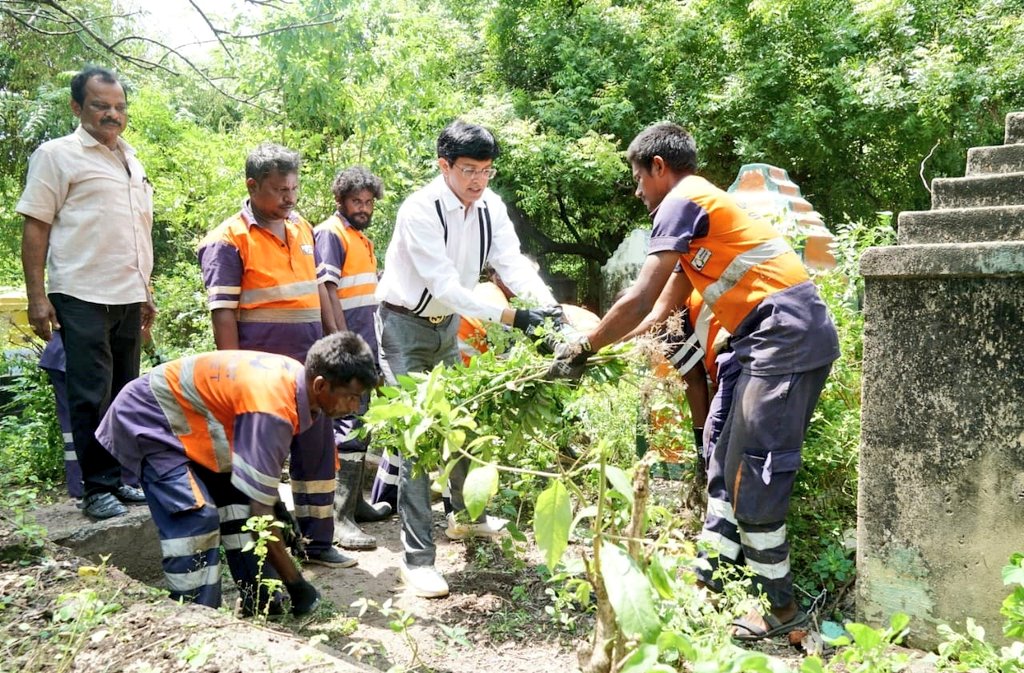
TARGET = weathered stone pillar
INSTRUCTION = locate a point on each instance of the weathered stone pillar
(941, 500)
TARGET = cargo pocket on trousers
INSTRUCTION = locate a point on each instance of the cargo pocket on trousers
(176, 490)
(764, 484)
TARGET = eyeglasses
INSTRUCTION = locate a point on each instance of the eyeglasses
(470, 173)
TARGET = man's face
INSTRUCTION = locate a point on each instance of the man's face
(467, 178)
(653, 184)
(339, 400)
(357, 208)
(275, 196)
(104, 112)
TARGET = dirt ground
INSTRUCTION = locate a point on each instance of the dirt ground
(59, 613)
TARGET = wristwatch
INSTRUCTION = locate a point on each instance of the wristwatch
(585, 346)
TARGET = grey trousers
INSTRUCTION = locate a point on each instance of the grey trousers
(411, 344)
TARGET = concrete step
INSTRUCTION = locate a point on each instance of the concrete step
(995, 159)
(131, 541)
(1015, 128)
(962, 225)
(958, 260)
(978, 191)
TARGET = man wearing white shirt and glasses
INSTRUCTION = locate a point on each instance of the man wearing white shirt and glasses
(444, 234)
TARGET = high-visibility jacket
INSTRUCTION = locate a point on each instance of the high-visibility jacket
(472, 338)
(203, 395)
(737, 261)
(357, 279)
(708, 330)
(274, 292)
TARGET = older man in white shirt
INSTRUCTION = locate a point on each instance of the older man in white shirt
(88, 210)
(444, 234)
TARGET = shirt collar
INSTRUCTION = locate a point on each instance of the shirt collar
(88, 141)
(450, 200)
(344, 220)
(250, 218)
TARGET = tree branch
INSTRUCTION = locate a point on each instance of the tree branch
(216, 31)
(547, 244)
(282, 29)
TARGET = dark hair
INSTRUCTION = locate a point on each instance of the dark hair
(271, 158)
(669, 141)
(341, 357)
(461, 139)
(79, 81)
(356, 179)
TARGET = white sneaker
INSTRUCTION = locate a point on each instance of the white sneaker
(491, 527)
(423, 581)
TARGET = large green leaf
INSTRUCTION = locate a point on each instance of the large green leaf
(620, 482)
(551, 520)
(480, 486)
(630, 594)
(384, 412)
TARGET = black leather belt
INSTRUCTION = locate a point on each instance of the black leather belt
(433, 320)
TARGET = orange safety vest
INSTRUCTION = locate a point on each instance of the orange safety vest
(278, 279)
(201, 395)
(741, 260)
(472, 338)
(358, 283)
(707, 329)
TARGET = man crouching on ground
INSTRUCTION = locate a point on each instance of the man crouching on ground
(208, 436)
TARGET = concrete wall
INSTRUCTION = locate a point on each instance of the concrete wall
(941, 501)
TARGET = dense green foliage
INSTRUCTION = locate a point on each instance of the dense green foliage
(849, 97)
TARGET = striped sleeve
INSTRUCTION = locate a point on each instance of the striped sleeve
(678, 221)
(331, 256)
(261, 444)
(221, 266)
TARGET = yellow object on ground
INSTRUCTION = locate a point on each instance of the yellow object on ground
(14, 327)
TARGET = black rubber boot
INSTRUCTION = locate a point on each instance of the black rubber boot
(365, 512)
(348, 493)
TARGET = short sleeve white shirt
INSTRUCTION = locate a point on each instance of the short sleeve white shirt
(101, 217)
(439, 247)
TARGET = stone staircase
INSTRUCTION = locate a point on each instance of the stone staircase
(985, 205)
(941, 490)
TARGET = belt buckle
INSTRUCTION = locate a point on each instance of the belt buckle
(436, 319)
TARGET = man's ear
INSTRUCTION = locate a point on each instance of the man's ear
(76, 109)
(657, 165)
(251, 185)
(443, 164)
(319, 385)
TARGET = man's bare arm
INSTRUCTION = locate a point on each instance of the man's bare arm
(638, 301)
(671, 299)
(225, 328)
(35, 243)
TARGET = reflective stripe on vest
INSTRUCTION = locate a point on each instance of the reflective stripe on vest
(357, 284)
(738, 260)
(280, 293)
(187, 413)
(278, 281)
(743, 263)
(706, 328)
(355, 302)
(281, 315)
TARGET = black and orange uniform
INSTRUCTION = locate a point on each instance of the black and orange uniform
(207, 434)
(783, 343)
(345, 257)
(272, 286)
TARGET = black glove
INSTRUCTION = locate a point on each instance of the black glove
(570, 361)
(304, 597)
(290, 533)
(529, 318)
